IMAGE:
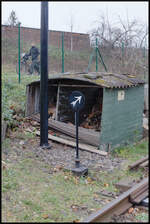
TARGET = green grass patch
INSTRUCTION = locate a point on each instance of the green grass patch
(49, 197)
(40, 193)
(133, 152)
(9, 181)
(142, 217)
(14, 96)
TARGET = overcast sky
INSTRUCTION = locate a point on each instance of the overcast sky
(84, 14)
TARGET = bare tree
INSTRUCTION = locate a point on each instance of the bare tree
(121, 43)
(112, 35)
(13, 20)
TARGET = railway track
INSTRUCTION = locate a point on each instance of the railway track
(141, 163)
(131, 197)
(134, 196)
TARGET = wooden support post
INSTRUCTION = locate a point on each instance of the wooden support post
(57, 104)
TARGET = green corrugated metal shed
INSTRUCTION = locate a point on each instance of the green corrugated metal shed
(122, 104)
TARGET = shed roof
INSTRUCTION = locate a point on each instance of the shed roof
(105, 80)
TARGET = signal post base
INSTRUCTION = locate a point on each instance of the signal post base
(80, 171)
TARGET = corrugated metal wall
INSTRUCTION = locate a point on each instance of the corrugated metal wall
(122, 119)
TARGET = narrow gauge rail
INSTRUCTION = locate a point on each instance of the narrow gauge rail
(140, 163)
(120, 205)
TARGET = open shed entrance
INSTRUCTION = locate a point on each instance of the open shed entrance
(90, 115)
(61, 116)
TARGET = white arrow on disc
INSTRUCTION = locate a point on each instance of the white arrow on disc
(78, 98)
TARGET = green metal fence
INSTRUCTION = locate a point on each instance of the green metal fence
(72, 52)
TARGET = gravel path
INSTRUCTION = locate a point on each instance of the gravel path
(62, 155)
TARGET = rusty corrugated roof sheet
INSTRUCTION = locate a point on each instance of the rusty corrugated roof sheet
(106, 80)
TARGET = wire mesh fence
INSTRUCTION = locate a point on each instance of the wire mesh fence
(73, 52)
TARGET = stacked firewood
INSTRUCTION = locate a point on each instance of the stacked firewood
(93, 119)
(51, 111)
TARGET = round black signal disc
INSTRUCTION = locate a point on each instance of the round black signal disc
(76, 100)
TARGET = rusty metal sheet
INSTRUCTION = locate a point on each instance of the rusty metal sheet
(117, 82)
(129, 79)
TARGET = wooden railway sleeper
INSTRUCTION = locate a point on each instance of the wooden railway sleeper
(139, 196)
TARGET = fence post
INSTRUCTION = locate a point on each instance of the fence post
(102, 59)
(90, 60)
(96, 56)
(19, 51)
(62, 52)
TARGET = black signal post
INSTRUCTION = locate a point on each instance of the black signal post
(44, 77)
(77, 101)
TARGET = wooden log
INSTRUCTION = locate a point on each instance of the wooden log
(138, 162)
(87, 136)
(73, 144)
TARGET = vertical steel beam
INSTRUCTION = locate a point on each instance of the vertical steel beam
(44, 77)
(77, 162)
(19, 52)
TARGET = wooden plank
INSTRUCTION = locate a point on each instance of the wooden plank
(65, 85)
(73, 144)
(145, 164)
(138, 162)
(27, 112)
(139, 192)
(90, 137)
(137, 197)
(57, 104)
(141, 197)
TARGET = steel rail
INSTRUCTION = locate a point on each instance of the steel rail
(119, 205)
(138, 162)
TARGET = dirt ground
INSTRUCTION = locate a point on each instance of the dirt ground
(62, 156)
(131, 214)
